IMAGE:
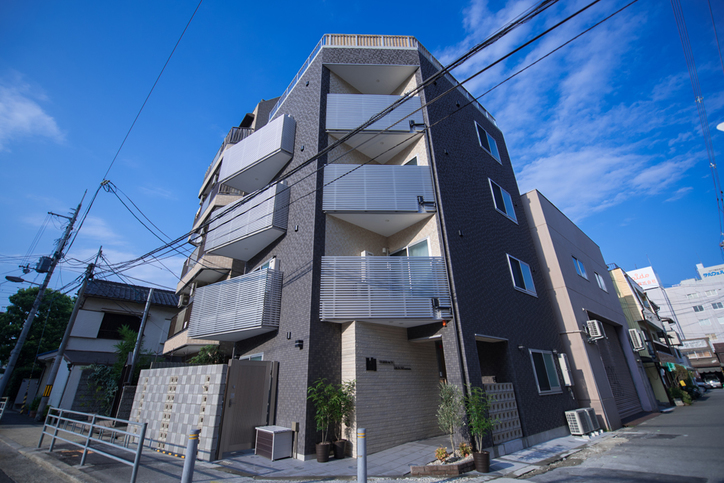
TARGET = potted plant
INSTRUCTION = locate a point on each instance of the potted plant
(33, 409)
(477, 407)
(321, 394)
(342, 410)
(449, 412)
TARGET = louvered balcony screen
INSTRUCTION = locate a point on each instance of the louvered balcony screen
(364, 288)
(346, 112)
(244, 303)
(269, 209)
(350, 188)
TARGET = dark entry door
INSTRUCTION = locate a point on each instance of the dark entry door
(249, 402)
(619, 376)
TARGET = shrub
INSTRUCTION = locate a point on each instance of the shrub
(449, 412)
(441, 453)
(464, 449)
(34, 404)
(675, 392)
(686, 398)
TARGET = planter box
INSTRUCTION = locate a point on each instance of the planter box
(454, 469)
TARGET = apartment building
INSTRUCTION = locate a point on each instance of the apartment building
(389, 249)
(647, 333)
(604, 370)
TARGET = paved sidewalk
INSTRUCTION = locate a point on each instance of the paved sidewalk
(22, 433)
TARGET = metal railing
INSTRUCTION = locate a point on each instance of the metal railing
(97, 432)
(375, 42)
(3, 403)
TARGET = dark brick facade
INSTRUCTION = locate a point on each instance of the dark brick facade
(475, 236)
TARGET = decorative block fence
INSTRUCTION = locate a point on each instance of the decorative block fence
(176, 400)
(505, 409)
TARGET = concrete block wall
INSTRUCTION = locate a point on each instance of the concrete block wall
(176, 400)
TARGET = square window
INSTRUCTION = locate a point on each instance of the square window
(720, 320)
(717, 305)
(692, 295)
(601, 282)
(487, 142)
(710, 292)
(698, 308)
(503, 201)
(545, 372)
(704, 322)
(580, 269)
(521, 274)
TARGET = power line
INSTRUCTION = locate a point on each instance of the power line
(129, 264)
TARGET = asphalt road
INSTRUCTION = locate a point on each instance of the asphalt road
(686, 445)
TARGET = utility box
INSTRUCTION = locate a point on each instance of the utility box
(43, 265)
(274, 442)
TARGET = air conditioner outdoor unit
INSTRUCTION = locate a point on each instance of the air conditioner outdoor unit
(579, 422)
(365, 253)
(637, 341)
(565, 369)
(595, 330)
(183, 300)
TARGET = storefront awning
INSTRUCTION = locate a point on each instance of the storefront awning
(709, 369)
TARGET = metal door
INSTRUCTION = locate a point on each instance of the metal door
(619, 376)
(249, 402)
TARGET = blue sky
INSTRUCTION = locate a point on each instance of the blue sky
(606, 128)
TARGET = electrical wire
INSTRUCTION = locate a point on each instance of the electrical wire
(130, 263)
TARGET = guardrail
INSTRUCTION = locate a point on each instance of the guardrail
(98, 431)
(3, 403)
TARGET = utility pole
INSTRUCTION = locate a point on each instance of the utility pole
(139, 338)
(15, 353)
(66, 336)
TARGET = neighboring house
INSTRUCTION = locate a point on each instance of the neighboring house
(605, 371)
(699, 303)
(397, 259)
(703, 357)
(646, 331)
(107, 307)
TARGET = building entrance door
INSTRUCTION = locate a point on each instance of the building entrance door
(249, 402)
(619, 376)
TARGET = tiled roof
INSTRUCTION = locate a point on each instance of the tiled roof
(130, 293)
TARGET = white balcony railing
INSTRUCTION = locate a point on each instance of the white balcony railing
(238, 308)
(253, 162)
(401, 291)
(250, 224)
(346, 112)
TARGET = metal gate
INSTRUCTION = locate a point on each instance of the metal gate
(249, 402)
(619, 376)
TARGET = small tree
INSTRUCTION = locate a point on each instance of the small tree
(209, 354)
(343, 405)
(449, 413)
(322, 395)
(477, 407)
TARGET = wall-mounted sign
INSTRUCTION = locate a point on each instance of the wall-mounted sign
(397, 367)
(645, 277)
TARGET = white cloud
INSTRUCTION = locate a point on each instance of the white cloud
(21, 115)
(680, 193)
(158, 192)
(97, 230)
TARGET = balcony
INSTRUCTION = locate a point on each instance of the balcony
(238, 308)
(398, 291)
(345, 112)
(203, 268)
(253, 162)
(250, 225)
(382, 199)
(235, 135)
(220, 195)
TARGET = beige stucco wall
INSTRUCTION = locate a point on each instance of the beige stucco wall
(395, 406)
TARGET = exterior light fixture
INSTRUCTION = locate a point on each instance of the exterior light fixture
(299, 343)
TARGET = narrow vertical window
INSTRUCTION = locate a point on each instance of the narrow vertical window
(487, 142)
(503, 201)
(580, 269)
(521, 275)
(545, 371)
(601, 282)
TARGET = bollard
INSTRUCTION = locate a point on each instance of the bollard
(361, 455)
(190, 458)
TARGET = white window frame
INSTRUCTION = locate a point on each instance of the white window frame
(717, 306)
(407, 163)
(252, 357)
(407, 251)
(507, 202)
(704, 322)
(554, 388)
(710, 293)
(524, 268)
(698, 308)
(580, 268)
(692, 295)
(490, 141)
(601, 282)
(271, 263)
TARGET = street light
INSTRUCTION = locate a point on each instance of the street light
(13, 278)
